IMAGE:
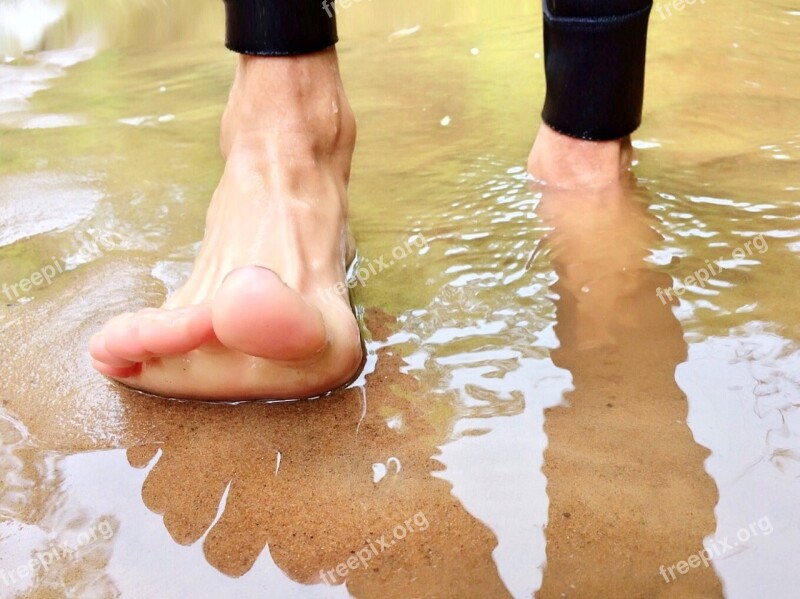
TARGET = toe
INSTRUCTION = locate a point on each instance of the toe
(128, 339)
(98, 351)
(174, 332)
(256, 313)
(116, 372)
(121, 336)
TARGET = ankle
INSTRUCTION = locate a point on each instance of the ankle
(297, 103)
(562, 161)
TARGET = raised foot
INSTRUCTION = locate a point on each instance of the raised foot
(265, 314)
(258, 339)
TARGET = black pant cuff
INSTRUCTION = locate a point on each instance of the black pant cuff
(279, 27)
(594, 67)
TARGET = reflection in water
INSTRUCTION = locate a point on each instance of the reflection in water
(300, 483)
(316, 482)
(644, 499)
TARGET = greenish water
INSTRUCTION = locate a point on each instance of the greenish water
(562, 430)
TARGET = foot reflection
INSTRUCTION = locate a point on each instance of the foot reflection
(301, 479)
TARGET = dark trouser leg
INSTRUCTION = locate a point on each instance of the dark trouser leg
(279, 27)
(594, 65)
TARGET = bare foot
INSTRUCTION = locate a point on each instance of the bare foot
(265, 313)
(570, 163)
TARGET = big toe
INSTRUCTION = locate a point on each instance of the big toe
(256, 313)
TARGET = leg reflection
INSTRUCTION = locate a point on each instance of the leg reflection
(626, 482)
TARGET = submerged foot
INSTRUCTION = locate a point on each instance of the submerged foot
(265, 312)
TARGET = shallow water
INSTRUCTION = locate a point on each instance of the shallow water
(531, 417)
